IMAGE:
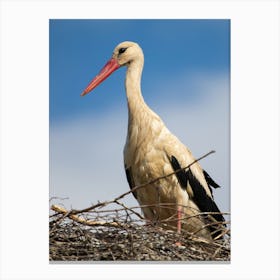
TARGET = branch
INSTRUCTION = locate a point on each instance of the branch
(83, 221)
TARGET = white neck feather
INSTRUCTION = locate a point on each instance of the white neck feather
(142, 120)
(135, 99)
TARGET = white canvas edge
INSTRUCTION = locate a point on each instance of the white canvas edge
(254, 137)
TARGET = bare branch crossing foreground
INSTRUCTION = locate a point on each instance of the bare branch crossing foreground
(111, 231)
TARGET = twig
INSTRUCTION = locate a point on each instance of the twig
(130, 209)
(83, 221)
(208, 225)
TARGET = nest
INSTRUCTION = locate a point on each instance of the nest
(110, 231)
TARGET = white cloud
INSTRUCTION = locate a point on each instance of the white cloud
(86, 161)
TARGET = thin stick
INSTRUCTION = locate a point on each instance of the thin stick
(130, 209)
(83, 221)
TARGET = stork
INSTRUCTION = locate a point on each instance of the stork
(152, 151)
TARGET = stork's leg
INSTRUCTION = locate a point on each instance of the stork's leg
(179, 218)
(179, 222)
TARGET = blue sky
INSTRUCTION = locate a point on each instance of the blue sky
(185, 80)
(78, 48)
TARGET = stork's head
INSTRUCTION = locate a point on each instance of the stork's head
(124, 54)
(127, 52)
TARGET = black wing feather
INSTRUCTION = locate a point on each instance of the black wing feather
(204, 202)
(210, 181)
(181, 175)
(130, 180)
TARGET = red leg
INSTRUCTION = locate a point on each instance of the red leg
(179, 217)
(179, 223)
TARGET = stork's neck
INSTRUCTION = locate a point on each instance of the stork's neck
(142, 121)
(135, 99)
(139, 114)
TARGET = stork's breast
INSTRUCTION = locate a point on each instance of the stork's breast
(154, 164)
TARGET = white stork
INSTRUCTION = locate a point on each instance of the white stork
(152, 151)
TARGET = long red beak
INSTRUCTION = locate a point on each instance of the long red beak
(105, 72)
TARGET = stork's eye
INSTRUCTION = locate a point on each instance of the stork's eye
(122, 50)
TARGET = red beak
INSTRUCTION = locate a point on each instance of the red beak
(105, 72)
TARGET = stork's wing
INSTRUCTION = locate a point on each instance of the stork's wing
(130, 180)
(198, 193)
(204, 202)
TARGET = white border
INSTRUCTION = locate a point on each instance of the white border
(254, 132)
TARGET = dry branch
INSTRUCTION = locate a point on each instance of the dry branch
(82, 220)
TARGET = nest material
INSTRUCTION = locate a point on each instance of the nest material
(105, 233)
